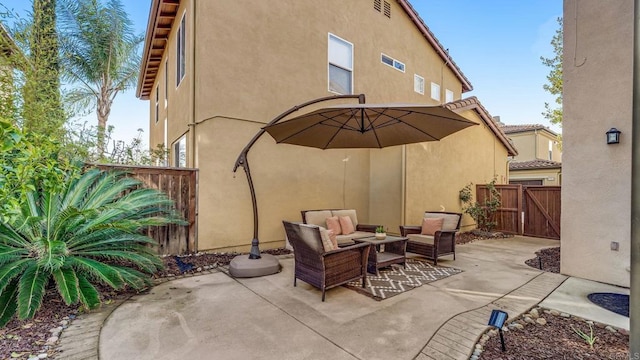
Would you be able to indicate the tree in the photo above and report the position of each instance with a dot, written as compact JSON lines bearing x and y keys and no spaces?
{"x":100,"y":55}
{"x":554,"y":85}
{"x":42,"y":110}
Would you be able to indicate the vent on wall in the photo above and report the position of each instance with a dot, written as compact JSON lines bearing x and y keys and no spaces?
{"x":377,"y":5}
{"x":387,"y":10}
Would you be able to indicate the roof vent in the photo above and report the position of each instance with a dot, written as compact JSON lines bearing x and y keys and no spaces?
{"x":387,"y":10}
{"x":377,"y":5}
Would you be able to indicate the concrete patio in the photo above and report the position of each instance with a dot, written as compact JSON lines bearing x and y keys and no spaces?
{"x":218,"y":317}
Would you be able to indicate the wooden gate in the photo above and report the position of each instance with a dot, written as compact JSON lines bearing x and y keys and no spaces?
{"x":527,"y":210}
{"x":180,"y":185}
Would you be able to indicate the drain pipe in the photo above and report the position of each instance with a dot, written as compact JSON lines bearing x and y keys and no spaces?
{"x":634,"y":319}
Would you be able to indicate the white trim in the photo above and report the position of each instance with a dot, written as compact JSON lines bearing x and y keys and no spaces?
{"x":448,"y":98}
{"x":416,"y":80}
{"x":433,"y":85}
{"x":329,"y":63}
{"x":166,"y":83}
{"x":178,"y":42}
{"x":395,"y":62}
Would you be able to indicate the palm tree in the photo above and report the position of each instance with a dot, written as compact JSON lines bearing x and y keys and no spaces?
{"x":85,"y":234}
{"x":100,"y":55}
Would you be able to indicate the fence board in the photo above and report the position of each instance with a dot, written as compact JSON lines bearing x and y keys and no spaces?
{"x":508,"y":214}
{"x":180,"y":185}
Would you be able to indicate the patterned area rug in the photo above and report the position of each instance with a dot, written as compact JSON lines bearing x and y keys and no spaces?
{"x":396,"y":279}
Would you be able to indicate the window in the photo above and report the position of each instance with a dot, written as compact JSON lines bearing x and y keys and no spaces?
{"x":550,"y":150}
{"x":388,"y":60}
{"x":157,"y":101}
{"x":180,"y":152}
{"x":166,"y":83}
{"x":165,"y":142}
{"x":180,"y":48}
{"x":418,"y":84}
{"x":435,"y":91}
{"x":448,"y":96}
{"x":340,"y":65}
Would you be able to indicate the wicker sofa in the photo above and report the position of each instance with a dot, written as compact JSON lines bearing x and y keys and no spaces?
{"x":320,"y":268}
{"x":442,"y":243}
{"x":319,"y":218}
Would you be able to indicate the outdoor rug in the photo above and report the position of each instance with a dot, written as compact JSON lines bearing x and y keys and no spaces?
{"x":395,"y":279}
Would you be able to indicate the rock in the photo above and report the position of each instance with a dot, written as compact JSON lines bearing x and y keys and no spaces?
{"x":199,"y":269}
{"x":534,"y":314}
{"x":493,"y":332}
{"x":52,"y":340}
{"x":478,"y":347}
{"x":64,"y":322}
{"x":43,"y":356}
{"x":541,"y":321}
{"x":56,"y":330}
{"x":473,"y":357}
{"x":516,"y":326}
{"x":611,"y":329}
{"x":555,"y":312}
{"x":477,"y":353}
{"x":528,"y":320}
{"x":484,"y":338}
{"x":565,"y":315}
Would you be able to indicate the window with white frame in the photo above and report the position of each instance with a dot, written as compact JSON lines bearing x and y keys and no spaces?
{"x":550,"y":150}
{"x":388,"y":60}
{"x":165,"y":142}
{"x":166,"y":83}
{"x":180,"y":51}
{"x":180,"y":152}
{"x":435,"y":91}
{"x":157,"y":102}
{"x":418,"y":84}
{"x":448,"y":96}
{"x":340,"y":65}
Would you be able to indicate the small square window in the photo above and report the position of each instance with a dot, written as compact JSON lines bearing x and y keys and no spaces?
{"x":448,"y":96}
{"x":386,"y":60}
{"x":398,"y":65}
{"x":435,"y":91}
{"x":418,"y":84}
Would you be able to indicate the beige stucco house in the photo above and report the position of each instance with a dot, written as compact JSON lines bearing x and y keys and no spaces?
{"x":539,"y":159}
{"x":216,"y":71}
{"x":597,"y":95}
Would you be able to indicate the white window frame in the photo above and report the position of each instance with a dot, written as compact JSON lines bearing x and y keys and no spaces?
{"x":435,"y":91}
{"x":329,"y":63}
{"x":418,"y":84}
{"x":176,"y":148}
{"x":550,"y":150}
{"x":448,"y":96}
{"x":181,"y":53}
{"x":398,"y":65}
{"x":166,"y":141}
{"x":166,"y":83}
{"x":157,"y":114}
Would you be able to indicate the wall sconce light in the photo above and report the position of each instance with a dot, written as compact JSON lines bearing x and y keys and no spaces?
{"x":613,"y":136}
{"x":497,"y":320}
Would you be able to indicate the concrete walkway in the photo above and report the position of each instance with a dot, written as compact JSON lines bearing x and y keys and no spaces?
{"x":217,"y":317}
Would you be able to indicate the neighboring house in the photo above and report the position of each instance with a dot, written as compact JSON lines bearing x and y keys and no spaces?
{"x":217,"y":71}
{"x":539,"y":156}
{"x":597,"y":178}
{"x":10,"y":58}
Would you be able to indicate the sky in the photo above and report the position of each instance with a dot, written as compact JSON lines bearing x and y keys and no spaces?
{"x":496,"y":43}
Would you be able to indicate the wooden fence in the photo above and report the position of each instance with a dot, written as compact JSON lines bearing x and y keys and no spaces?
{"x":180,"y":185}
{"x":527,"y":210}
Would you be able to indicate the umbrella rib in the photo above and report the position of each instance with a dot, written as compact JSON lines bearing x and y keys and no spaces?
{"x":343,"y":126}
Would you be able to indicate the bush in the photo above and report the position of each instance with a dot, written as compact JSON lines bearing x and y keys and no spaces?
{"x":483,"y":213}
{"x":84,"y":233}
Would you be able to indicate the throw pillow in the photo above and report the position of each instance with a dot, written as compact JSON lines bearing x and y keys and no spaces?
{"x":334,"y":224}
{"x":327,"y":244}
{"x":334,"y":239}
{"x":347,"y":225}
{"x":431,"y":225}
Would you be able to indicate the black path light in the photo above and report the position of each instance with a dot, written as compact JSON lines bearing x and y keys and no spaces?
{"x":613,"y":136}
{"x":497,"y":320}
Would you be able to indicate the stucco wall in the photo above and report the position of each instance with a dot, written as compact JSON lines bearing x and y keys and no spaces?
{"x":533,"y":145}
{"x":526,"y":145}
{"x":537,"y":174}
{"x":596,"y":194}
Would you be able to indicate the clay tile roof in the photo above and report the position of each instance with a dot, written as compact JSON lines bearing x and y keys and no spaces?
{"x":511,"y":129}
{"x":472,"y":103}
{"x":534,"y":164}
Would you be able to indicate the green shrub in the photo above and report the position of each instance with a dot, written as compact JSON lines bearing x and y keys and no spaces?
{"x":483,"y":213}
{"x":86,"y":232}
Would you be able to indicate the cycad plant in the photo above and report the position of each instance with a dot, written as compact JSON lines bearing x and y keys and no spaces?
{"x":86,"y":234}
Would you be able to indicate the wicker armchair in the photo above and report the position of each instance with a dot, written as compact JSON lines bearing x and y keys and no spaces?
{"x":320,"y":268}
{"x":442,"y":243}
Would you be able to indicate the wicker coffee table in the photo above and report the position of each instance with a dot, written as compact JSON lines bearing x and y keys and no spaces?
{"x":390,"y":250}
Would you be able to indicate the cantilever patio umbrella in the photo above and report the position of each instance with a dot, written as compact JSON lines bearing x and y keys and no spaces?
{"x":343,"y":126}
{"x":368,"y":126}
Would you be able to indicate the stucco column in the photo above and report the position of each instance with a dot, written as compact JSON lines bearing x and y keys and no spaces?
{"x":634,"y":338}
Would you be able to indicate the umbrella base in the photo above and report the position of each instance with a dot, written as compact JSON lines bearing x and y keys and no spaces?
{"x":243,"y":267}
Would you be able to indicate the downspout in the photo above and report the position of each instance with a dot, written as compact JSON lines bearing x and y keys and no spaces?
{"x":192,"y":125}
{"x":634,"y":337}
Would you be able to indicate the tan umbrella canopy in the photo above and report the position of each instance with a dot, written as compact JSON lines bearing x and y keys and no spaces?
{"x":368,"y":126}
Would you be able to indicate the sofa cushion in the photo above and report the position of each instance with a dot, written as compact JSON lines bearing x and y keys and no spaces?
{"x":333,"y":224}
{"x":450,"y":220}
{"x":350,"y":213}
{"x":326,"y":239}
{"x":426,"y":239}
{"x":431,"y":225}
{"x":317,"y":217}
{"x":347,"y":225}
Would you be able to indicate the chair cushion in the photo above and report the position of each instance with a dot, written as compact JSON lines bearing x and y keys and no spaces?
{"x":450,"y":220}
{"x":426,"y":239}
{"x":347,"y":225}
{"x":317,"y":217}
{"x":333,"y":224}
{"x":350,"y":213}
{"x":327,"y":244}
{"x":431,"y":225}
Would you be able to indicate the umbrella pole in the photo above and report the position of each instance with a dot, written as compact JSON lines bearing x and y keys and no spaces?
{"x":239,"y":267}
